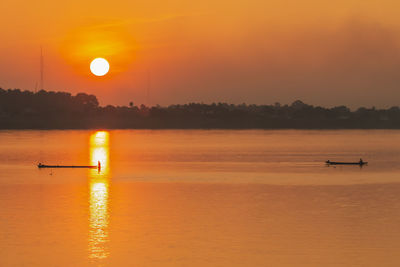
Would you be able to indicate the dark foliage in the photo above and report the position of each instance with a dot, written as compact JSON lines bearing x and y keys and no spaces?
{"x":60,"y":110}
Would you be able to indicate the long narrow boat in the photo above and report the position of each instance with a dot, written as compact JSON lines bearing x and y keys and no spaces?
{"x":98,"y":166}
{"x":360,"y":163}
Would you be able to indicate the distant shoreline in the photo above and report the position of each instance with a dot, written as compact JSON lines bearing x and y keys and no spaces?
{"x":189,"y":129}
{"x":46,"y":110}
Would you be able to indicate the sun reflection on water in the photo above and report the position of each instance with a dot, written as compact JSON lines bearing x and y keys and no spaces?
{"x":99,"y":196}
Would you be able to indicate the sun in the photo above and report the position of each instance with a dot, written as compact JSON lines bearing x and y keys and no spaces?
{"x":99,"y":66}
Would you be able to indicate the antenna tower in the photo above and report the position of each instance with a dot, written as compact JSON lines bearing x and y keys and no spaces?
{"x":148,"y":88}
{"x":41,"y":68}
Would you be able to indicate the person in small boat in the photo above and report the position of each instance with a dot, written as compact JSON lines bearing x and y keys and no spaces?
{"x":361,"y":162}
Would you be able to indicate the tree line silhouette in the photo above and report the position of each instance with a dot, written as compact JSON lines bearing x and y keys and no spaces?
{"x":61,"y":110}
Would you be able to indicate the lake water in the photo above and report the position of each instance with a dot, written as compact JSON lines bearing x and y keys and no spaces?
{"x":200,"y":198}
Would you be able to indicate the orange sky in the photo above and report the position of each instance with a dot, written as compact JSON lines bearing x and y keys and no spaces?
{"x":254,"y":51}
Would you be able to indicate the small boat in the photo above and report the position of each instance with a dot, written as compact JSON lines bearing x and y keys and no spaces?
{"x":360,"y":163}
{"x":98,"y":166}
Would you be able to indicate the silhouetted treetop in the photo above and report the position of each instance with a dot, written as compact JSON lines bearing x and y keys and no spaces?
{"x":61,"y":110}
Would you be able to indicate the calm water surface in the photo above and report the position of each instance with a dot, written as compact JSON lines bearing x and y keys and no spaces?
{"x":200,"y":198}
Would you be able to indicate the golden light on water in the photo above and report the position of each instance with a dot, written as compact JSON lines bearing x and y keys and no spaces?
{"x":99,"y":196}
{"x":99,"y":218}
{"x":99,"y":151}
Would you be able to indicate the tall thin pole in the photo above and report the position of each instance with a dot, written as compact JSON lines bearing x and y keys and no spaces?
{"x":148,"y":88}
{"x":41,"y":68}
